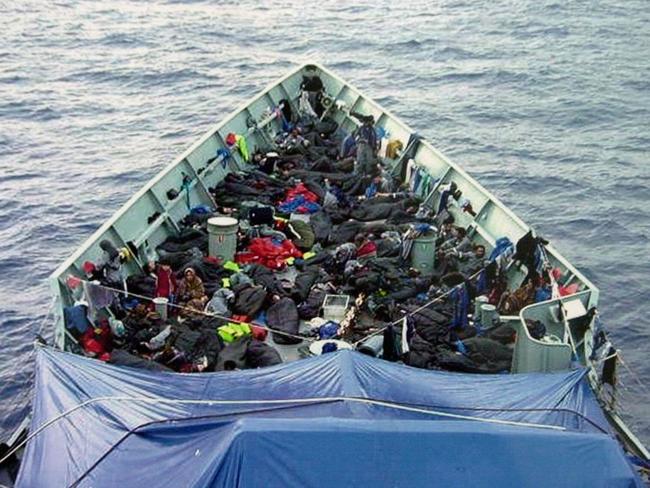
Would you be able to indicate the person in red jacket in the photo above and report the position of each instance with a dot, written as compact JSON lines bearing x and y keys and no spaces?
{"x":366,"y":249}
{"x":165,"y":281}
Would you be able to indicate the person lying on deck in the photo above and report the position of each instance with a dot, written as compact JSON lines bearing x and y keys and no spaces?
{"x":450,"y":250}
{"x":470,"y":262}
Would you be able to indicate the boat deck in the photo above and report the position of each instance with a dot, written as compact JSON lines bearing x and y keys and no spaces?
{"x":331,"y":207}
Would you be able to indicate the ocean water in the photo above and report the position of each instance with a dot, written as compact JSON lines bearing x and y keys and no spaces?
{"x":547,"y":103}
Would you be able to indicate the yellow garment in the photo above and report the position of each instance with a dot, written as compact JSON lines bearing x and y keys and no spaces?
{"x":242,"y":147}
{"x":126,"y":254}
{"x":233,"y":331}
{"x":308,"y":255}
{"x":393,"y":146}
{"x":231,"y":266}
{"x":225,"y":282}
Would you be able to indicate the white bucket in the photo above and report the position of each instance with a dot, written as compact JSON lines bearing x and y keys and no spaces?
{"x":478,"y":303}
{"x":161,"y":306}
{"x":489,"y":315}
{"x":222,"y":237}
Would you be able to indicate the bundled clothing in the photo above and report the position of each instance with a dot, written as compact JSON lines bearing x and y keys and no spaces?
{"x":269,"y":253}
{"x":239,"y":143}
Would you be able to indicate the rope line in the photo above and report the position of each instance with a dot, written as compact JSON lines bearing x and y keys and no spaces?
{"x":297,"y":401}
{"x":419,"y":309}
{"x":636,"y":377}
{"x":201,"y":312}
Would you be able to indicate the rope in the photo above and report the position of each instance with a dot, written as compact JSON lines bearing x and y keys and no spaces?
{"x":297,"y":401}
{"x":636,"y":377}
{"x":215,"y":416}
{"x":174,"y":420}
{"x":39,"y":330}
{"x":428,"y":304}
{"x":201,"y":312}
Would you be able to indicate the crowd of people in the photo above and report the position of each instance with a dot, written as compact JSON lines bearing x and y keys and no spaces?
{"x":320,"y":211}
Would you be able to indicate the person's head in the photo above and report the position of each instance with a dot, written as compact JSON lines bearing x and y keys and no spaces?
{"x":461,"y":232}
{"x":479,"y":250}
{"x":360,"y":239}
{"x":189,"y":273}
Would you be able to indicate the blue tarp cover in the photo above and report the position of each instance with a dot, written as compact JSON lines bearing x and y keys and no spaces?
{"x":309,"y":423}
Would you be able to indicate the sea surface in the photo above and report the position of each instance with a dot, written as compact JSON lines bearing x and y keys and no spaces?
{"x":546,"y":103}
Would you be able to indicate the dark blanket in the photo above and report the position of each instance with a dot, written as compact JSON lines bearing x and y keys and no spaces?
{"x":123,"y":358}
{"x":312,"y":305}
{"x":249,"y":300}
{"x":432,"y":325}
{"x":263,"y":276}
{"x":303,"y":283}
{"x":283,"y":316}
{"x":185,"y":241}
{"x":259,"y":355}
{"x":321,"y":224}
{"x":422,"y":354}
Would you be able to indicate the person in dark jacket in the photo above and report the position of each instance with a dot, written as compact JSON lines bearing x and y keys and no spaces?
{"x":367,"y":144}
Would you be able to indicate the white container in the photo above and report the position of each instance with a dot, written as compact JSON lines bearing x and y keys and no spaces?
{"x":297,"y":216}
{"x":478,"y":303}
{"x":489,"y":315}
{"x":222,"y":237}
{"x":335,"y":307}
{"x":161,"y":306}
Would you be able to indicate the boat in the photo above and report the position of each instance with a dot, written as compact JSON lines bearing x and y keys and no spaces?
{"x":326,"y":413}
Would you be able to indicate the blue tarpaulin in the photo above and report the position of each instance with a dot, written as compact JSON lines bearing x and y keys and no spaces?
{"x":341,"y":419}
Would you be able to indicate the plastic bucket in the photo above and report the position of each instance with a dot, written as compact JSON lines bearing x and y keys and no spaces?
{"x":423,"y":253}
{"x":489,"y":315}
{"x":478,"y":303}
{"x":160,"y":303}
{"x":222,"y":237}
